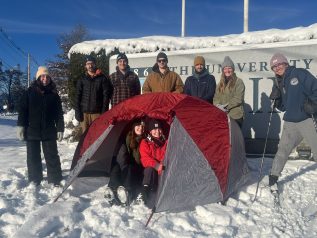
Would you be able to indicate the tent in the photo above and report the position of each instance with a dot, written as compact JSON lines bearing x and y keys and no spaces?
{"x":205,"y":157}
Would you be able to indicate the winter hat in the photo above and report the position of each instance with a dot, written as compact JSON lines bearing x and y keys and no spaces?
{"x":161,"y":55}
{"x":227,"y":62}
{"x":137,"y":122}
{"x":153,"y":124}
{"x":42,"y":70}
{"x":122,"y":56}
{"x":278,"y":58}
{"x":199,"y":60}
{"x":90,"y":58}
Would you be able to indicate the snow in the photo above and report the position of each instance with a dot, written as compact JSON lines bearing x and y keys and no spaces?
{"x":29,"y":211}
{"x":170,"y":43}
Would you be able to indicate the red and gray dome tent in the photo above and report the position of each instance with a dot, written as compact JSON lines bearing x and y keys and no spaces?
{"x":205,"y":158}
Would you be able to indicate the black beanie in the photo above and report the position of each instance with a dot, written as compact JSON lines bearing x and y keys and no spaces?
{"x":161,"y":55}
{"x":90,"y":58}
{"x":153,"y":124}
{"x":122,"y":56}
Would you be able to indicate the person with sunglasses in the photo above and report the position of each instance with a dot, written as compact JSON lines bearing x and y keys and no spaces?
{"x":295,"y":93}
{"x":162,"y":79}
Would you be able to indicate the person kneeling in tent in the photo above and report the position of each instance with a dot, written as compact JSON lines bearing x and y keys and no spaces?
{"x":126,"y":172}
{"x":152,"y":151}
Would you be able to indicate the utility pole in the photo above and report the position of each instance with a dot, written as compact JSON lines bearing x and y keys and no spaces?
{"x":183,"y":18}
{"x":246,"y":16}
{"x":29,"y":73}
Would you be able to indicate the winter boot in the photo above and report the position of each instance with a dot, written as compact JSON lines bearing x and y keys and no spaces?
{"x":272,"y":180}
{"x":110,"y":196}
{"x":142,"y":197}
{"x":123,"y":195}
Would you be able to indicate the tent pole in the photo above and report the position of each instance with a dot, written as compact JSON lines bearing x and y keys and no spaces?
{"x":261,"y":167}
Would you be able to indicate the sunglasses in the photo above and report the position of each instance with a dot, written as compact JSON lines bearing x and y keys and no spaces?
{"x":161,"y":60}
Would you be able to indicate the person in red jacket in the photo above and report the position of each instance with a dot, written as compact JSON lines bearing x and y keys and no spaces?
{"x":152,"y":152}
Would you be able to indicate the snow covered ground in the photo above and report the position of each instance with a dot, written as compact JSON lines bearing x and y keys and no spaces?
{"x":28,"y":211}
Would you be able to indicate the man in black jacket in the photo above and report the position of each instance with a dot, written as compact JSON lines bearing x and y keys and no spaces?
{"x":93,"y":94}
{"x":41,"y":120}
{"x":201,"y":84}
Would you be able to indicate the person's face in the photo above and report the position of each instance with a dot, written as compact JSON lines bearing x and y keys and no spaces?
{"x":279,"y":69}
{"x":228,"y":71}
{"x":122,"y":64}
{"x":162,"y":63}
{"x":139,"y":129}
{"x":45,"y":79}
{"x":156,"y":133}
{"x":90,"y":66}
{"x":199,"y":68}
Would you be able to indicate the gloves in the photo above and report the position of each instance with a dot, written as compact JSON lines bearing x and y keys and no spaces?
{"x":60,"y":136}
{"x":20,"y":132}
{"x":79,"y":116}
{"x":276,"y":93}
{"x":222,"y":107}
{"x":310,"y":107}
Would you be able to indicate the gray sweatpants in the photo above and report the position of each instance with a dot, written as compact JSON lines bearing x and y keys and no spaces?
{"x":292,"y":134}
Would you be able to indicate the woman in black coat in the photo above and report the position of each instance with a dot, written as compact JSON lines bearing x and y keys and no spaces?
{"x":41,"y":120}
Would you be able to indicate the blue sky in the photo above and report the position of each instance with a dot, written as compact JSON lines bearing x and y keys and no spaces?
{"x":35,"y":25}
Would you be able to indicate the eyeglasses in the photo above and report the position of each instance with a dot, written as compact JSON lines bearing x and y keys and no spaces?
{"x":161,"y":60}
{"x":274,"y":68}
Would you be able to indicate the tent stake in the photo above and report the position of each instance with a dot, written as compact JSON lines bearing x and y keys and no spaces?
{"x":148,"y":220}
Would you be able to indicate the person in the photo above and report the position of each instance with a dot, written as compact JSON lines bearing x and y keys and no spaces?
{"x":126,"y":172}
{"x":201,"y":84}
{"x":93,"y":94}
{"x":162,"y":79}
{"x":125,"y":83}
{"x":152,"y":151}
{"x":40,"y":121}
{"x":229,"y":95}
{"x":294,"y":92}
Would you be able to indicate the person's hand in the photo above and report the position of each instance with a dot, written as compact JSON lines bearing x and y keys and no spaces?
{"x":160,"y":169}
{"x":60,"y":136}
{"x":222,"y":107}
{"x":20,"y":133}
{"x":310,"y":107}
{"x":275,"y":94}
{"x":79,"y":116}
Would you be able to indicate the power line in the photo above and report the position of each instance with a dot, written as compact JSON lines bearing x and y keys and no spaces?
{"x":12,"y":44}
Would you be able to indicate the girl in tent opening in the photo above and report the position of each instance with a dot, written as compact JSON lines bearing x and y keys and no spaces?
{"x":229,"y":95}
{"x":152,"y":151}
{"x":126,"y":173}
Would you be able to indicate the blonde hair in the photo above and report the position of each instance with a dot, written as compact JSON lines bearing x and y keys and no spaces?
{"x":231,"y":82}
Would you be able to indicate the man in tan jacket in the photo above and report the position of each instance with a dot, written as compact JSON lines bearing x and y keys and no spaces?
{"x":162,"y":79}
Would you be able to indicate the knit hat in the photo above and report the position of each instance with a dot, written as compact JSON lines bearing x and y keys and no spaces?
{"x":161,"y":55}
{"x":42,"y":70}
{"x":278,"y":58}
{"x":199,"y":60}
{"x":90,"y":58}
{"x":227,"y":62}
{"x":122,"y":56}
{"x":137,"y":122}
{"x":153,"y":124}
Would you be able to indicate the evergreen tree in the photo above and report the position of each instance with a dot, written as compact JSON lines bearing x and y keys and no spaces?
{"x":60,"y":67}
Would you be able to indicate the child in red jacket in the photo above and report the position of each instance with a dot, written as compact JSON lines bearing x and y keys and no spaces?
{"x":152,"y":151}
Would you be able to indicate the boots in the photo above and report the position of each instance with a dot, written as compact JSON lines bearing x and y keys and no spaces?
{"x":272,"y":180}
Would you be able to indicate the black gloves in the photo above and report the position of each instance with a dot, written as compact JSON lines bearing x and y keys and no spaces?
{"x":79,"y":116}
{"x":276,"y":93}
{"x":310,"y":107}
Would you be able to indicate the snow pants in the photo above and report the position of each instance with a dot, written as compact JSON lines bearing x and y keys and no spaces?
{"x":292,"y":134}
{"x":34,"y":161}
